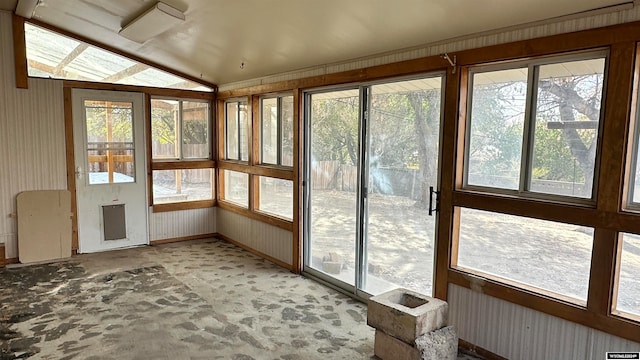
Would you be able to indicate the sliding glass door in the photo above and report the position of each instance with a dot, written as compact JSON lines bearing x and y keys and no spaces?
{"x":372,"y":156}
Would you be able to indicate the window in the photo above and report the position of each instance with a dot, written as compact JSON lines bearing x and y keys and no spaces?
{"x":52,"y":55}
{"x":276,"y":130}
{"x":171,"y":186}
{"x":536,"y":253}
{"x":633,"y":200}
{"x":181,"y":150}
{"x":110,"y":145}
{"x":236,"y":127}
{"x":236,"y":187}
{"x":180,"y":129}
{"x":276,"y":197}
{"x":628,"y":299}
{"x":534,"y":127}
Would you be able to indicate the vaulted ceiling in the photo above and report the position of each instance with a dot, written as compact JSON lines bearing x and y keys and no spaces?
{"x":275,"y":36}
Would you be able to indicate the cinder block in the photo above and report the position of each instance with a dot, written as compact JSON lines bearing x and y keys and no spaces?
{"x":389,"y":348}
{"x":438,"y":345}
{"x":331,"y":267}
{"x":406,"y":315}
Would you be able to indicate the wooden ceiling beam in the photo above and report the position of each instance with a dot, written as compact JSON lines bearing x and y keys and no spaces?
{"x":130,"y":71}
{"x":58,"y":69}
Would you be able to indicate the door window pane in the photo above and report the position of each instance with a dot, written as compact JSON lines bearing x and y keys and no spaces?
{"x":497,"y":124}
{"x":110,"y":147}
{"x":404,"y":128}
{"x":547,"y":255}
{"x":566,"y":127}
{"x":333,"y":183}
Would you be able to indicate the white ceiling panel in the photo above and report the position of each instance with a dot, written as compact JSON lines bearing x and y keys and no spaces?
{"x":275,"y":36}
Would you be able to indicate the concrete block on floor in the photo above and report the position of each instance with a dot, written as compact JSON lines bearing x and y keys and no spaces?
{"x":406,"y":315}
{"x":438,"y":345}
{"x":389,"y":348}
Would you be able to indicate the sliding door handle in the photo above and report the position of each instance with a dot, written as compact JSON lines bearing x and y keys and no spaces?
{"x":437,"y":205}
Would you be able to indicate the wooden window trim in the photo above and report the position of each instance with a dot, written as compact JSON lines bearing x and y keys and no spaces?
{"x":20,"y":52}
{"x":185,"y":164}
{"x":258,"y":129}
{"x":255,"y":215}
{"x":184,"y":205}
{"x":278,"y":173}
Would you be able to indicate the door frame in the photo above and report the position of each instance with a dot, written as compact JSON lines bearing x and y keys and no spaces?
{"x":70,"y":138}
{"x":364,"y":88}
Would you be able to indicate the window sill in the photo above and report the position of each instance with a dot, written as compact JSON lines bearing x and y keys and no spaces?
{"x":268,"y":219}
{"x":183,"y":164}
{"x":199,"y":204}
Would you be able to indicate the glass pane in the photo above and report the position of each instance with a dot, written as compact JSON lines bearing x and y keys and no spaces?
{"x":170,"y":186}
{"x":287,"y":131}
{"x":333,"y":183}
{"x":566,"y":127}
{"x":628,"y":281}
{"x":547,"y":255}
{"x":243,"y":131}
{"x":164,"y":127}
{"x":231,"y":128}
{"x":404,"y":128}
{"x":195,"y":130}
{"x":269,"y":131}
{"x":236,"y":187}
{"x":52,"y":55}
{"x":497,"y":124}
{"x":276,"y":197}
{"x":110,"y":147}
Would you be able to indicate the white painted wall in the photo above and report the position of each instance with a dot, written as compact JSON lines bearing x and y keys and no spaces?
{"x":517,"y":332}
{"x":175,"y":224}
{"x":32,"y":142}
{"x":267,"y":239}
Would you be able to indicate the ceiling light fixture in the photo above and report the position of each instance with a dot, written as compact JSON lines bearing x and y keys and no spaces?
{"x":26,"y":8}
{"x":158,"y":19}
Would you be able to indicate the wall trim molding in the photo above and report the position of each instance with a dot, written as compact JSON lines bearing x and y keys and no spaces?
{"x":181,"y":238}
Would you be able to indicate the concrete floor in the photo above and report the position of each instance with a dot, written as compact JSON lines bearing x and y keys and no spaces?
{"x":191,"y":300}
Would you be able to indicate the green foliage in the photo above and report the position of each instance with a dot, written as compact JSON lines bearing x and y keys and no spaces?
{"x":334,"y":129}
{"x":163,"y":125}
{"x":120,"y":118}
{"x":552,"y":158}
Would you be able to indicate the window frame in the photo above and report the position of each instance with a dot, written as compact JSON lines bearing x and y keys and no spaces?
{"x":181,"y":163}
{"x":280,"y":126}
{"x":225,"y":132}
{"x":528,"y":135}
{"x":180,"y":129}
{"x":252,"y":167}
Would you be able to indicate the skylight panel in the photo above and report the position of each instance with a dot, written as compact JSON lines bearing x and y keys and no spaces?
{"x":51,"y":55}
